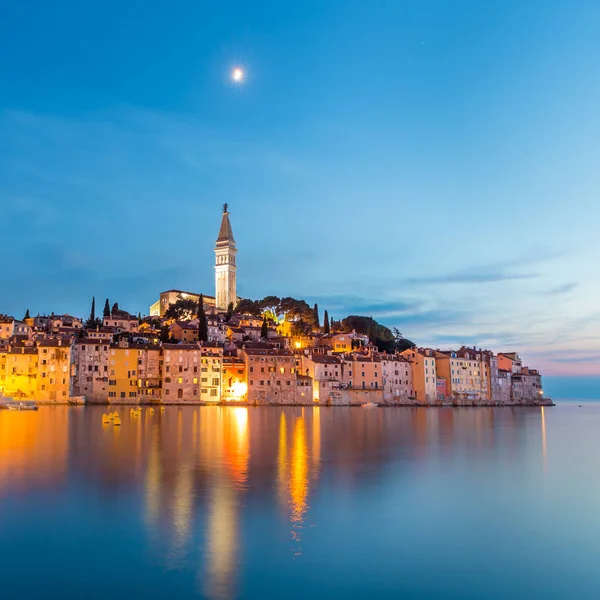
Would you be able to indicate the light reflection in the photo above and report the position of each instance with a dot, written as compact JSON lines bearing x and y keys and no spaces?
{"x":33,"y":446}
{"x":298,"y":478}
{"x":544,"y":444}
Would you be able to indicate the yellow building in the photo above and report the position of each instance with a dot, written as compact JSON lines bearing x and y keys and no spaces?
{"x":465,"y":372}
{"x":54,"y":370}
{"x":122,"y":371}
{"x":21,"y":368}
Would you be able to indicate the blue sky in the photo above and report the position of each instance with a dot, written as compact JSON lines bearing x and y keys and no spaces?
{"x":432,"y":164}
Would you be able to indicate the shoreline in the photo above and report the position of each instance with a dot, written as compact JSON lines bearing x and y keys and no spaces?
{"x":546,"y":402}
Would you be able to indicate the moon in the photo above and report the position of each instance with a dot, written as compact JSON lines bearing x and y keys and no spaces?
{"x":238,"y":75}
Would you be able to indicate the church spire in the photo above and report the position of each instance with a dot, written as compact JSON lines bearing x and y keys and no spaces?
{"x":225,"y":233}
{"x":225,"y":269}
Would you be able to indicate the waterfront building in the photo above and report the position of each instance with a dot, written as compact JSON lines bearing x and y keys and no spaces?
{"x":90,"y":369}
{"x":211,"y":372}
{"x":424,"y":374}
{"x":149,"y":367}
{"x":234,"y":385}
{"x":21,"y":370}
{"x":466,"y":373}
{"x":325,"y":371}
{"x":181,"y":373}
{"x":271,"y":375}
{"x":504,"y":392}
{"x":54,"y":370}
{"x":510,"y":361}
{"x":123,"y":378}
{"x":396,"y":377}
{"x":527,"y":385}
{"x":362,"y":371}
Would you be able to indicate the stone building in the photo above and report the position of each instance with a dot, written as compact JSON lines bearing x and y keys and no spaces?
{"x":397,"y":378}
{"x":90,"y":369}
{"x":271,"y":375}
{"x":181,"y":373}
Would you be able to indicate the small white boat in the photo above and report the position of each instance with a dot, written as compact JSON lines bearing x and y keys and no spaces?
{"x":21,"y":405}
{"x":4,"y":400}
{"x":369,"y":405}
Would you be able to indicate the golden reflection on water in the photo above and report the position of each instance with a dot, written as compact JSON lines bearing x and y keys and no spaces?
{"x":544,"y":443}
{"x":33,"y":446}
{"x":294,"y":466}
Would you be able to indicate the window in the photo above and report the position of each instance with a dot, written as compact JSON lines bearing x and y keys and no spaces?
{"x":122,"y":394}
{"x":213,"y":392}
{"x":215,"y":381}
{"x":112,"y":394}
{"x":112,"y":382}
{"x":180,"y":380}
{"x":195,"y":380}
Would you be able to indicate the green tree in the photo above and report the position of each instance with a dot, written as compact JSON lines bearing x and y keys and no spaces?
{"x":115,"y":308}
{"x":106,"y":312}
{"x":26,"y":315}
{"x":184,"y":309}
{"x":229,"y":312}
{"x":326,"y":325}
{"x":248,"y":307}
{"x":202,"y":322}
{"x":270,"y":304}
{"x":91,"y":322}
{"x":316,"y":316}
{"x":264,"y":330}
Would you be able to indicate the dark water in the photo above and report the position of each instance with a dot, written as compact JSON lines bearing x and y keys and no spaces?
{"x":301,"y":503}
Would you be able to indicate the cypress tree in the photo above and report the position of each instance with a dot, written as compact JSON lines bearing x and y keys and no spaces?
{"x":264,"y":330}
{"x":202,"y":322}
{"x":326,"y":327}
{"x":165,"y":336}
{"x":115,"y":308}
{"x":106,"y":309}
{"x":26,"y":315}
{"x":92,"y":320}
{"x":331,"y":324}
{"x":316,"y":315}
{"x":229,"y":313}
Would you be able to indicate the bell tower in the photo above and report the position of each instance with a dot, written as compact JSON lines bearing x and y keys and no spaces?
{"x":225,"y":269}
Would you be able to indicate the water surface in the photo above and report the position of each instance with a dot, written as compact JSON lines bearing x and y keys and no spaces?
{"x":301,"y":503}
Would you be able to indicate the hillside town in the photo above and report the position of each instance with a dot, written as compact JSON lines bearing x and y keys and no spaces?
{"x":201,"y":349}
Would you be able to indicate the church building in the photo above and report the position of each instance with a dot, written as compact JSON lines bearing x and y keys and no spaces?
{"x":225,"y":275}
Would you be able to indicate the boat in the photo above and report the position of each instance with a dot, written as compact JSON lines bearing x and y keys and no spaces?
{"x":369,"y":405}
{"x":21,"y":405}
{"x":76,"y":400}
{"x":4,"y":400}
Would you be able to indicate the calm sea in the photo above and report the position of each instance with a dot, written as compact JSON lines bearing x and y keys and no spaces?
{"x":263,"y":503}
